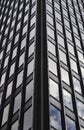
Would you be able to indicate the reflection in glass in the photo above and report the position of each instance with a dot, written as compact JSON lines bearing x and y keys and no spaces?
{"x":55,"y":117}
{"x":80,"y":107}
{"x":15,"y":126}
{"x":52,"y":66}
{"x":77,"y":86}
{"x":60,"y":40}
{"x":30,"y":67}
{"x":51,"y":48}
{"x":50,"y":32}
{"x":31,"y":49}
{"x":70,"y":124}
{"x":65,"y":76}
{"x":17,"y":102}
{"x":67,"y":99}
{"x":9,"y":89}
{"x":29,"y":90}
{"x":62,"y":56}
{"x":5,"y":114}
{"x":73,"y":65}
{"x":27,"y":119}
{"x":19,"y":79}
{"x":54,"y":89}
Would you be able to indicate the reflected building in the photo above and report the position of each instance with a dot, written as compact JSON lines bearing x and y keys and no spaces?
{"x":42,"y":65}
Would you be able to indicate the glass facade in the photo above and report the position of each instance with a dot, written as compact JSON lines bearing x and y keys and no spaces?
{"x":42,"y":64}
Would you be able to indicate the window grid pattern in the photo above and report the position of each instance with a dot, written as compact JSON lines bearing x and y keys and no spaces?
{"x":65,"y":45}
{"x":17,"y":38}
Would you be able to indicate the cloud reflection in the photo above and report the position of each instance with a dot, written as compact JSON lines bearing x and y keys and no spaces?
{"x":55,"y":117}
{"x":80,"y":106}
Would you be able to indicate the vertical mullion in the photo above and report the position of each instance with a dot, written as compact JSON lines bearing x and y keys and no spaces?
{"x":37,"y":76}
{"x":81,"y":78}
{"x":59,"y":73}
{"x":21,"y":115}
{"x":41,"y":103}
{"x":7,"y":72}
{"x":44,"y":71}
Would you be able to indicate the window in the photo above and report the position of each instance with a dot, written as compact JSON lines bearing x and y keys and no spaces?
{"x":51,"y":47}
{"x":29,"y":90}
{"x":6,"y":61}
{"x":19,"y":79}
{"x":30,"y":67}
{"x":54,"y":91}
{"x":80,"y":55}
{"x":60,"y":40}
{"x":73,"y":65}
{"x":82,"y":71}
{"x":15,"y":126}
{"x":49,"y":8}
{"x":9,"y":89}
{"x":62,"y":56}
{"x":77,"y":86}
{"x":67,"y":99}
{"x":14,"y":52}
{"x":58,"y":16}
{"x":59,"y":27}
{"x":55,"y":117}
{"x":70,"y":124}
{"x":65,"y":76}
{"x":31,"y":49}
{"x":49,"y":19}
{"x":71,"y":49}
{"x":32,"y":33}
{"x":21,"y":59}
{"x":27,"y":119}
{"x":5,"y":114}
{"x":23,"y":43}
{"x":12,"y":68}
{"x":33,"y":20}
{"x":80,"y":107}
{"x":68,"y":35}
{"x":33,"y":9}
{"x":17,"y":103}
{"x":77,"y":41}
{"x":50,"y":32}
{"x":52,"y":66}
{"x":2,"y":79}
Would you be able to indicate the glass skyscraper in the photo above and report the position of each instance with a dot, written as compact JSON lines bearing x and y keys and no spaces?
{"x":42,"y":65}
